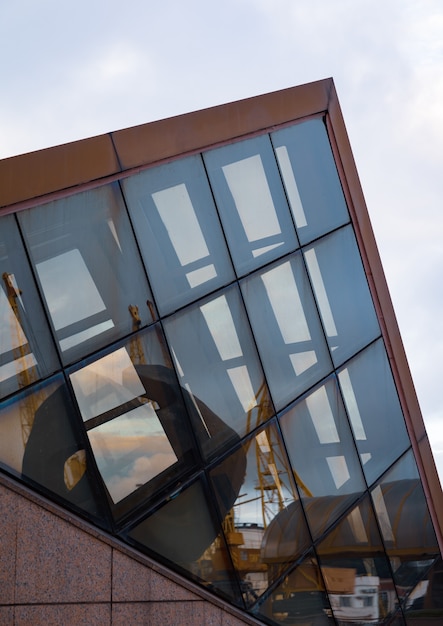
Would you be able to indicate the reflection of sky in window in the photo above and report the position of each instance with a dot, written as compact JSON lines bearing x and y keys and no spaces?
{"x":106,"y":384}
{"x":320,"y":292}
{"x":12,"y":337}
{"x":351,"y":405}
{"x":339,"y":470}
{"x":130,"y":450}
{"x":287,"y":307}
{"x":357,"y":526}
{"x":291,"y":186}
{"x":219,"y":320}
{"x":322,"y":416}
{"x":75,"y":303}
{"x":382,"y":514}
{"x":177,"y":213}
{"x":249,"y":187}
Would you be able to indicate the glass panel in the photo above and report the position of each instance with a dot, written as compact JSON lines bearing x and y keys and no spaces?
{"x":38,"y":442}
{"x":424,"y":605}
{"x":184,"y":532}
{"x":251,"y":201}
{"x":310,"y":177}
{"x":179,"y":232}
{"x":256,"y":527}
{"x":27,"y":352}
{"x":299,"y":599}
{"x":342,"y":294}
{"x":406,"y":526}
{"x":135,"y":417}
{"x":374,"y":410}
{"x":287,"y":329}
{"x":356,"y":571}
{"x":218,"y":366}
{"x":322,"y":451}
{"x":88,"y":267}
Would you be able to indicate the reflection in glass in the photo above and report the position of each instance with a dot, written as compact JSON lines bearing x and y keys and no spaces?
{"x":134,"y":415}
{"x":342,"y":294}
{"x":88,"y":267}
{"x":425,"y":602}
{"x":299,"y":599}
{"x":310,"y":177}
{"x":323,"y":455}
{"x":255,"y":523}
{"x":251,"y":202}
{"x":374,"y":410}
{"x":287,"y":330}
{"x":406,"y":526}
{"x":39,"y":442}
{"x":26,"y":349}
{"x":178,"y":231}
{"x":218,"y":366}
{"x":184,"y":532}
{"x":356,"y":571}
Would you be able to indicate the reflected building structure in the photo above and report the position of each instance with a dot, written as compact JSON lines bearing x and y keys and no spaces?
{"x":200,"y":362}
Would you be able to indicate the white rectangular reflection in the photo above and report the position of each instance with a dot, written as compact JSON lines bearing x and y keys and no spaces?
{"x":81,"y":300}
{"x":243,"y":387}
{"x":249,"y":187}
{"x":291,"y":186}
{"x":177,"y":213}
{"x":382,"y":514}
{"x":281,"y":288}
{"x":339,"y":470}
{"x":320,"y":292}
{"x":106,"y":384}
{"x":357,"y":526}
{"x":351,"y":405}
{"x":322,"y":416}
{"x":221,"y":325}
{"x":202,"y":275}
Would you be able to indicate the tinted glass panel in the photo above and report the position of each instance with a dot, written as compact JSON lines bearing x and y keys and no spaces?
{"x":218,"y":365}
{"x":405,"y":524}
{"x":184,"y":532}
{"x":38,"y":441}
{"x":342,"y":294}
{"x":425,"y":602}
{"x":264,"y":509}
{"x":323,"y":455}
{"x":179,"y":233}
{"x":135,"y":417}
{"x":287,"y":329}
{"x":88,"y":268}
{"x":310,"y":178}
{"x":251,"y":201}
{"x":356,"y":571}
{"x":374,"y":410}
{"x":27,"y":351}
{"x":299,"y":599}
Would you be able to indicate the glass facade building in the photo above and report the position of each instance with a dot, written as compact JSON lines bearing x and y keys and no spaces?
{"x":199,"y":357}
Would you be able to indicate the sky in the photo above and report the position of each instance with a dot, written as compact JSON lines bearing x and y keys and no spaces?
{"x":74,"y":70}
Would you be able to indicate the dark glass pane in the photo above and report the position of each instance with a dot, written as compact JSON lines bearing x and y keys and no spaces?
{"x":251,"y":201}
{"x":287,"y":329}
{"x":310,"y":176}
{"x":218,"y":365}
{"x":184,"y":532}
{"x":323,"y":455}
{"x":39,"y":442}
{"x":406,"y":526}
{"x":356,"y":570}
{"x":424,"y":606}
{"x":135,"y":416}
{"x":374,"y":410}
{"x":179,"y":233}
{"x":299,"y":599}
{"x":342,"y":294}
{"x":265,"y":529}
{"x":88,"y":268}
{"x":27,"y":351}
